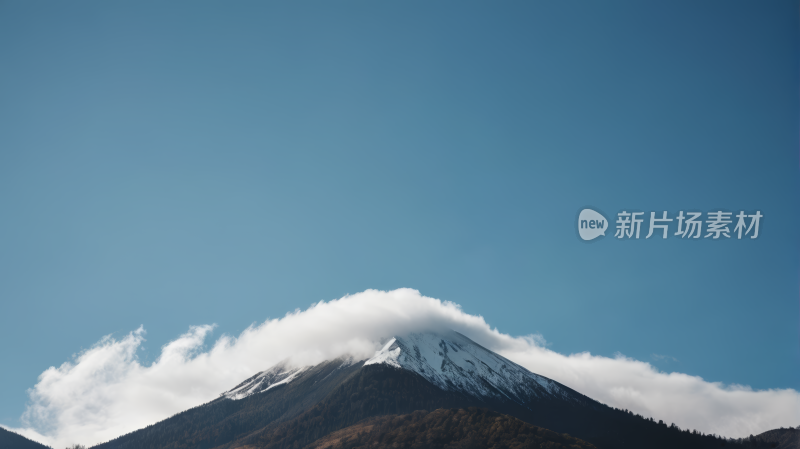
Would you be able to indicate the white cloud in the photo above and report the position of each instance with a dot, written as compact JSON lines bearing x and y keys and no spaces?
{"x":106,"y":392}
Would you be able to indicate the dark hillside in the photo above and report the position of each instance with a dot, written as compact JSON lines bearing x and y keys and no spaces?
{"x":12,"y":440}
{"x":447,"y":429}
{"x":778,"y":438}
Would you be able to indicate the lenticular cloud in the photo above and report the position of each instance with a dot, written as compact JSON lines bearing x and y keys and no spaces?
{"x":106,"y":392}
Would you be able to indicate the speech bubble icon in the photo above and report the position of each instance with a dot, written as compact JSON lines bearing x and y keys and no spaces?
{"x":591,"y":224}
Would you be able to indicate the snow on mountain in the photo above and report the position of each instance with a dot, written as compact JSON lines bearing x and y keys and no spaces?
{"x":279,"y":374}
{"x":448,"y":360}
{"x":453,"y":362}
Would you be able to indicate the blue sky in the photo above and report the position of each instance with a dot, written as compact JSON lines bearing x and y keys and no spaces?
{"x":182,"y":163}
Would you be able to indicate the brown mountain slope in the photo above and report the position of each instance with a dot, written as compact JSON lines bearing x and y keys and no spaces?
{"x":447,"y":429}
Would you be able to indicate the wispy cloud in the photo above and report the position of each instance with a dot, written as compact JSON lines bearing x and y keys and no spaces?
{"x":663,"y":358}
{"x":106,"y":391}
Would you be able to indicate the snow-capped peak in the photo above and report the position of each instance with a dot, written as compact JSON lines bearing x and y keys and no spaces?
{"x":453,"y":362}
{"x":448,"y":360}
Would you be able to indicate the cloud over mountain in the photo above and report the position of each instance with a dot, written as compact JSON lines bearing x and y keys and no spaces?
{"x":106,"y":391}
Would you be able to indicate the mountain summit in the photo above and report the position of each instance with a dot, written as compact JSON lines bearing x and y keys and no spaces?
{"x":453,"y":362}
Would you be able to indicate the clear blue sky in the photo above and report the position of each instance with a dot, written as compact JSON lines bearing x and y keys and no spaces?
{"x":179,"y":163}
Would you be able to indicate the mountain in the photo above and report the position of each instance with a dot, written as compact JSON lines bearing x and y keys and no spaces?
{"x":779,"y":438}
{"x":12,"y":440}
{"x":290,"y":407}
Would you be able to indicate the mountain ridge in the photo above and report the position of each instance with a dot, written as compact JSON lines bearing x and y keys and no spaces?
{"x":13,"y":440}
